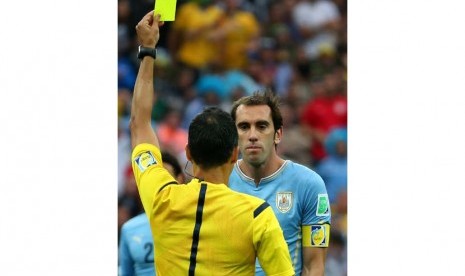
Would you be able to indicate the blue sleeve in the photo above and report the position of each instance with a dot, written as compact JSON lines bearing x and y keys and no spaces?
{"x":126,"y":264}
{"x":316,"y":207}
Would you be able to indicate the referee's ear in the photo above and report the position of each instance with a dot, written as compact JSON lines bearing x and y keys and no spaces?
{"x":234,"y":155}
{"x":188,"y":153}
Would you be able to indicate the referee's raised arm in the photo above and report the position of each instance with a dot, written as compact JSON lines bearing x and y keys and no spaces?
{"x":143,"y":97}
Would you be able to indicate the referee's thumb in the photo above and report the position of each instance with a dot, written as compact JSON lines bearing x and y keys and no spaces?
{"x":157,"y":21}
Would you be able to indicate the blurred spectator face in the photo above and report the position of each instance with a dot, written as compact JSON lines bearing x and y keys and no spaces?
{"x":282,"y":55}
{"x":237,"y":93}
{"x":232,"y":4}
{"x":327,"y":57}
{"x":185,"y":82}
{"x":276,"y":12}
{"x":341,"y":148}
{"x":124,"y":10}
{"x":211,"y":98}
{"x":283,"y":36}
{"x":288,"y":5}
{"x":185,"y":78}
{"x":332,"y":82}
{"x":267,"y":49}
{"x":288,"y":115}
{"x":267,"y":55}
{"x":254,"y":69}
{"x":318,"y":88}
{"x":173,"y":119}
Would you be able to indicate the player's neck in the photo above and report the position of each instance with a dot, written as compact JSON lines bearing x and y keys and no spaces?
{"x":217,"y":175}
{"x":264,"y":170}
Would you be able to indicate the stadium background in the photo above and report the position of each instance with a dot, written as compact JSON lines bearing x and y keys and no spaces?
{"x":306,"y":67}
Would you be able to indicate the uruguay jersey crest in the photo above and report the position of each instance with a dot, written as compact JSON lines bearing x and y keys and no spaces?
{"x":284,"y":201}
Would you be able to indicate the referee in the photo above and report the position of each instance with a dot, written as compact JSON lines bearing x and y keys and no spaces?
{"x":202,"y":227}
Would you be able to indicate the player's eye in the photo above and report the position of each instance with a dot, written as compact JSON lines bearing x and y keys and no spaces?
{"x":242,"y":126}
{"x":262,"y":126}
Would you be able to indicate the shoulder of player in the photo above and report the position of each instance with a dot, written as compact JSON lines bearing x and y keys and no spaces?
{"x":135,"y":222}
{"x":300,"y":171}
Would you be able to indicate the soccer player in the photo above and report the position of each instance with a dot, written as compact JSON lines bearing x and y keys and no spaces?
{"x":136,"y":243}
{"x":297,"y":194}
{"x":202,"y":227}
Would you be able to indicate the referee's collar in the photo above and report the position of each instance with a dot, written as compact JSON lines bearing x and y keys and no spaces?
{"x":198,"y":181}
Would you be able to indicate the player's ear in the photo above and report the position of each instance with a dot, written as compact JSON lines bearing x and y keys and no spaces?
{"x":278,"y":136}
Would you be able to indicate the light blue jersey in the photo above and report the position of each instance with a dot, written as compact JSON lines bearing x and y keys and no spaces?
{"x":298,"y":197}
{"x":136,"y":248}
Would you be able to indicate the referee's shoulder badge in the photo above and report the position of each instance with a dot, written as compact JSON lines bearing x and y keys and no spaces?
{"x":322,"y":208}
{"x":284,"y":201}
{"x":319,"y":235}
{"x":145,"y":160}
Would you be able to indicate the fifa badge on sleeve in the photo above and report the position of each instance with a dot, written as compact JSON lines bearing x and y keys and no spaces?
{"x":145,"y":160}
{"x":322,"y":208}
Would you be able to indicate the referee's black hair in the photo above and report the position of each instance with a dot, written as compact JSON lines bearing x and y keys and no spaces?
{"x":212,"y":138}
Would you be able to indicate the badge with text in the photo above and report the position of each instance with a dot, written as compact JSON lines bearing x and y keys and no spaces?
{"x":145,"y":160}
{"x":320,"y":235}
{"x":284,"y":201}
{"x":322,"y":209}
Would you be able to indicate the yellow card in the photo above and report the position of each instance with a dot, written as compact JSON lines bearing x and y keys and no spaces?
{"x":166,"y":8}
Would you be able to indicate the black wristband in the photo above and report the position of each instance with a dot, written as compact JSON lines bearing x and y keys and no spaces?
{"x":143,"y":51}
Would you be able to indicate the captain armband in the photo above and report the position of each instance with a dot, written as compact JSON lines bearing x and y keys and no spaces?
{"x":315,"y":235}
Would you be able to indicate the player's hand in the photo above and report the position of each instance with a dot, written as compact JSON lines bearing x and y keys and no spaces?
{"x":147,"y":30}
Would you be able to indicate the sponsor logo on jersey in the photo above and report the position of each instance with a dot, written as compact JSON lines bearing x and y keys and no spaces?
{"x":319,"y":235}
{"x":284,"y":201}
{"x":137,"y":239}
{"x":145,"y":160}
{"x":322,"y":209}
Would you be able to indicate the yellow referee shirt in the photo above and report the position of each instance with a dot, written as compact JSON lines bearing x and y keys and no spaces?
{"x":202,"y":228}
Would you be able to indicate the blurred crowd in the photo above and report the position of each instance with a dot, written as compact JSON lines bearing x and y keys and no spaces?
{"x":217,"y":51}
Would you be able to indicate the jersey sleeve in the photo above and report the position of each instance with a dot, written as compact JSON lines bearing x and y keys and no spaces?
{"x":272,"y":251}
{"x":149,"y":173}
{"x":316,"y":217}
{"x":126,"y":263}
{"x":316,"y":207}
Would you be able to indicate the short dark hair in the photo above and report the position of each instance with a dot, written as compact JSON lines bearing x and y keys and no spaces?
{"x":261,"y":98}
{"x":212,"y":138}
{"x":173,"y":161}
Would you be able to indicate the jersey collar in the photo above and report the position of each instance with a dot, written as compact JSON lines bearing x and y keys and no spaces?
{"x":266,"y":179}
